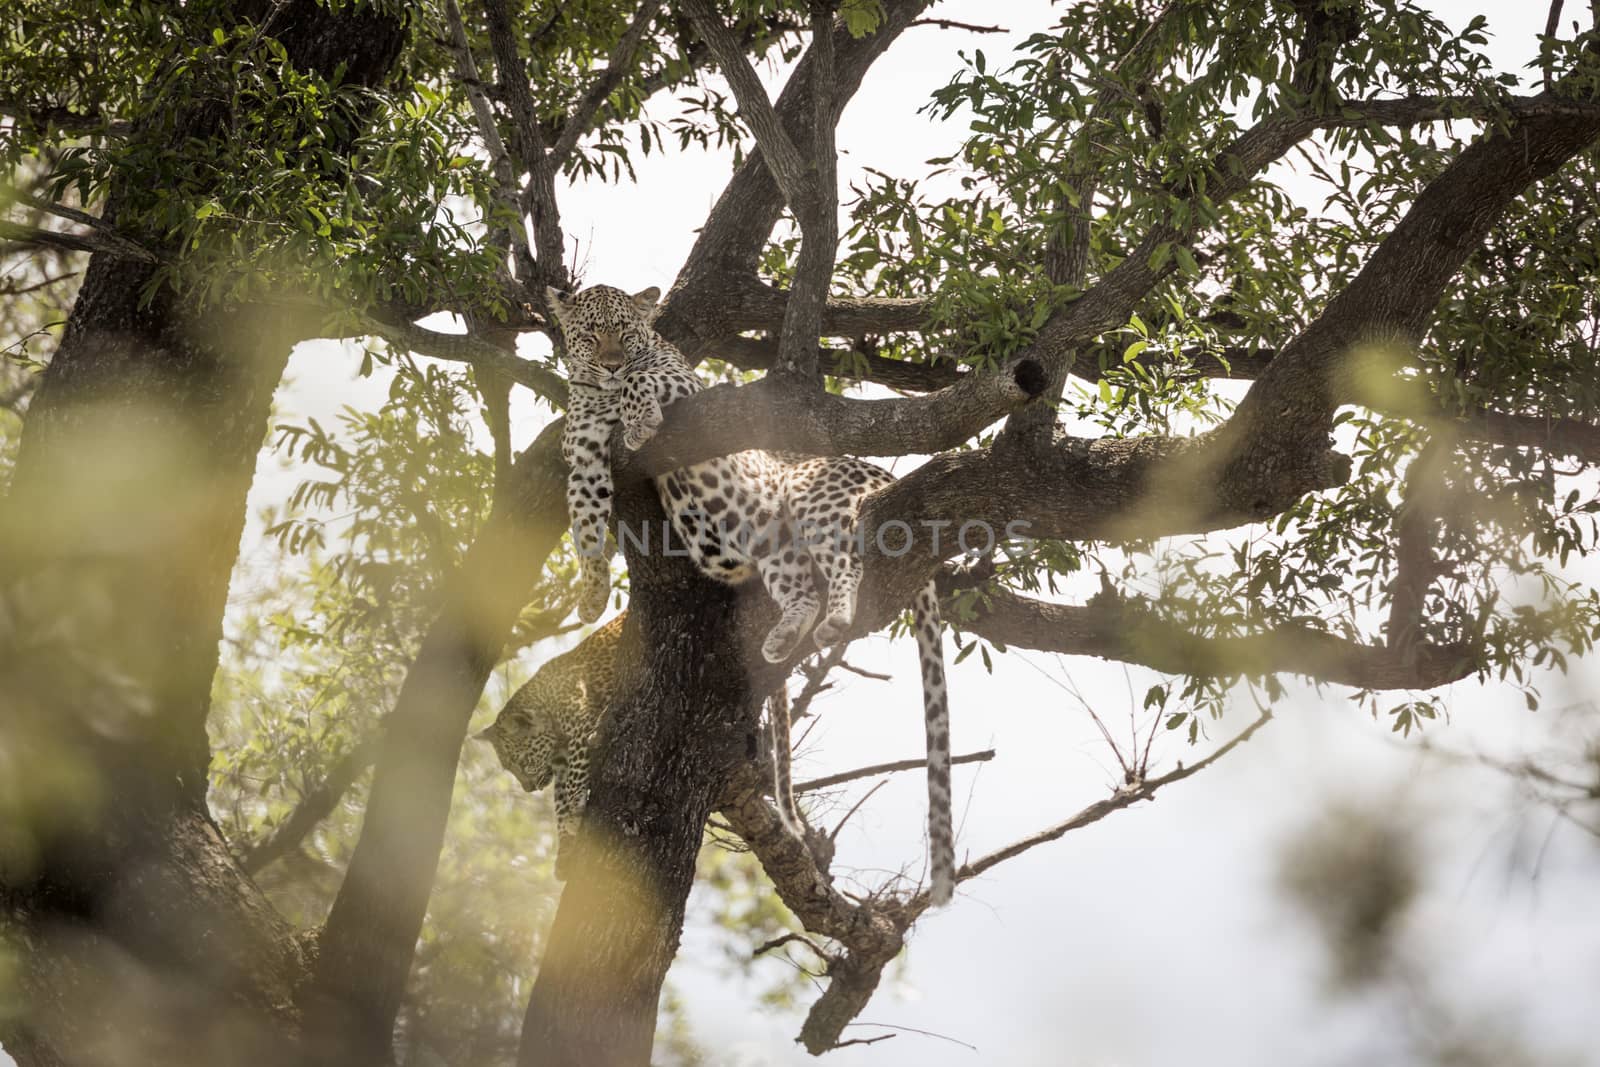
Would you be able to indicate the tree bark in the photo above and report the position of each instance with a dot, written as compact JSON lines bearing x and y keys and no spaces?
{"x":142,"y":939}
{"x":685,"y":719}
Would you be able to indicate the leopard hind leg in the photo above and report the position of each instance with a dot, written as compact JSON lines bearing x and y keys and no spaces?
{"x":786,"y":574}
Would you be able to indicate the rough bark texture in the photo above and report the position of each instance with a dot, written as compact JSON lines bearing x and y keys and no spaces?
{"x":687,"y":718}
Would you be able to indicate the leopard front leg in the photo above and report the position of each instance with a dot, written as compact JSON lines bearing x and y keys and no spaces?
{"x":641,"y":412}
{"x":572,"y":794}
{"x":586,"y":446}
{"x":645,"y":390}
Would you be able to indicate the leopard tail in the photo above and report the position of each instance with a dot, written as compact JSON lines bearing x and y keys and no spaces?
{"x":782,"y":783}
{"x":936,"y":711}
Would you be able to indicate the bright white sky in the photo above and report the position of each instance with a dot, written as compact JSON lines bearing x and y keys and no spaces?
{"x":1156,"y":936}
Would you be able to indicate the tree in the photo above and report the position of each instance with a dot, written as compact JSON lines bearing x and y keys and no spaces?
{"x":1404,"y":469}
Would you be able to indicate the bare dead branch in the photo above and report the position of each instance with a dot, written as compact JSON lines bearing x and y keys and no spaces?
{"x":952,"y":24}
{"x":885,"y":768}
{"x":1122,"y":798}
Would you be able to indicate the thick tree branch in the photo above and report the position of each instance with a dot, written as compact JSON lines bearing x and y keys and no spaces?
{"x":730,"y":242}
{"x":788,"y":167}
{"x":767,"y":415}
{"x":1129,"y":631}
{"x":97,"y":240}
{"x":366,"y":947}
{"x":1382,"y":314}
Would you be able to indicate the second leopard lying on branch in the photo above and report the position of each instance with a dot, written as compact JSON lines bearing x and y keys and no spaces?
{"x":783,"y":518}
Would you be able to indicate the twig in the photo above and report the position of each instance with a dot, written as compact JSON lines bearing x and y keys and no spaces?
{"x":952,"y":24}
{"x":779,"y":942}
{"x":864,"y":673}
{"x":1099,"y":810}
{"x":885,"y":768}
{"x":914,"y":1030}
{"x":834,"y":834}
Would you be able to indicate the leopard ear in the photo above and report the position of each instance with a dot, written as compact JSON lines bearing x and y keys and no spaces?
{"x":488,"y":733}
{"x":558,"y":301}
{"x":646,"y":298}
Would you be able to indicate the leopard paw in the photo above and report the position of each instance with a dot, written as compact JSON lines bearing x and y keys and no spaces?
{"x":780,"y":643}
{"x":830,"y":631}
{"x":635,"y":435}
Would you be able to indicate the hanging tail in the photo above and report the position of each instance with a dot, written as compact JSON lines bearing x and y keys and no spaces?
{"x":936,"y":711}
{"x":782,"y":785}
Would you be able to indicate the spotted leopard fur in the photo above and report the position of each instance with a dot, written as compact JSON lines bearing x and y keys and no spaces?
{"x":749,"y":514}
{"x":546,"y":732}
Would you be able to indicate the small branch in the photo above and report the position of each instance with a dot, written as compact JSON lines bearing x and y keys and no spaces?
{"x":782,"y":158}
{"x":952,"y":24}
{"x":778,"y":942}
{"x":1123,"y":798}
{"x":885,"y":768}
{"x":862,"y":672}
{"x":97,"y":241}
{"x":1415,"y":565}
{"x":18,"y":288}
{"x":454,"y":347}
{"x":68,"y":122}
{"x":314,"y":807}
{"x":588,"y":105}
{"x":482,"y":110}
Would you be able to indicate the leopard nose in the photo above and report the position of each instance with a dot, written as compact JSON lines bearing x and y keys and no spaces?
{"x":527,"y":787}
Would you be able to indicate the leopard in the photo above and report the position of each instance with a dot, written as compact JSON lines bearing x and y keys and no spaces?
{"x":780,"y":517}
{"x":546,"y":733}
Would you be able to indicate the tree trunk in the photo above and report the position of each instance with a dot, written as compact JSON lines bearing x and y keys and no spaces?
{"x":686,"y":716}
{"x":367,"y":944}
{"x":140,"y":939}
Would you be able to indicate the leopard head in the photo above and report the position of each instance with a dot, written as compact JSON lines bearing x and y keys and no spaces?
{"x":526,"y":742}
{"x":602,"y":328}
